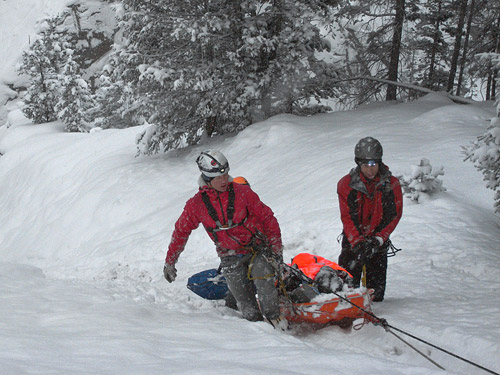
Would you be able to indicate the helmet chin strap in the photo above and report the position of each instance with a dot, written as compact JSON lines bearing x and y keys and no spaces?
{"x":206,"y":178}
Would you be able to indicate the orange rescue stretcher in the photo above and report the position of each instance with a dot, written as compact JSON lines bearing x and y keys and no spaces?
{"x":324,"y":310}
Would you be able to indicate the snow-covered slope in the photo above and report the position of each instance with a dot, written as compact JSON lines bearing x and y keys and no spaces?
{"x":85,"y":226}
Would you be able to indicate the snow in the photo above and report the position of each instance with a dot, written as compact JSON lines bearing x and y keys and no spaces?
{"x":85,"y":226}
{"x":19,"y":22}
{"x":86,"y":223}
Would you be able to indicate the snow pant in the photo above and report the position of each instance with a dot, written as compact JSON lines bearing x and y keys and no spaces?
{"x":376,"y":269}
{"x":243,"y":285}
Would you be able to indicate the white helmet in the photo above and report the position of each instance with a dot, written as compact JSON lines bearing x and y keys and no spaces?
{"x":212,"y":164}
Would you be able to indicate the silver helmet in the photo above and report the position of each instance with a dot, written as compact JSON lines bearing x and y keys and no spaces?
{"x":212,"y":163}
{"x":368,"y":148}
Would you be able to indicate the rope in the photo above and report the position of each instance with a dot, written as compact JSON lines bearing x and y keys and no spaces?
{"x":418,"y":351}
{"x":386,"y":326}
{"x":443,"y":350}
{"x":380,"y":321}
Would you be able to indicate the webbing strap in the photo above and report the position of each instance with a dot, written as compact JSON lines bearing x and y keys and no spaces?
{"x":213,"y":213}
{"x":210,"y":208}
{"x":230,"y":205}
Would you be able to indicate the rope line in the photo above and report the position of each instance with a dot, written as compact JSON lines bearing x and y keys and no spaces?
{"x":443,"y":350}
{"x":386,"y":326}
{"x":382,"y":322}
{"x":418,"y":351}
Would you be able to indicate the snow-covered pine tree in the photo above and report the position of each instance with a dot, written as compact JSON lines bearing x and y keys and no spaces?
{"x":114,"y":102}
{"x":75,"y":97}
{"x":204,"y":67}
{"x":429,"y":42}
{"x":87,"y":28}
{"x":486,"y":40}
{"x":485,"y":154}
{"x":366,"y":31}
{"x":371,"y":32}
{"x":41,"y":62}
{"x":423,"y":181}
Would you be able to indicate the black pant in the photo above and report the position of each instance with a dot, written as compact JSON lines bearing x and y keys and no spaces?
{"x":376,"y":269}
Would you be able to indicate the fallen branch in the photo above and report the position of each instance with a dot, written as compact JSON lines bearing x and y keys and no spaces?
{"x":455,"y":98}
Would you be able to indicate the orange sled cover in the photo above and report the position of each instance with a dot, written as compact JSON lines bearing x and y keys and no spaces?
{"x":324,"y":309}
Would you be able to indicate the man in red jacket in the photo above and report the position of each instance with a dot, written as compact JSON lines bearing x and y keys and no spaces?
{"x":246,"y":234}
{"x":371,"y":206}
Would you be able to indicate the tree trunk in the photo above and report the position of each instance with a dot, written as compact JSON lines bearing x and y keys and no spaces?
{"x":396,"y":48}
{"x":269,"y":54}
{"x":495,"y":71}
{"x":466,"y":44}
{"x":488,"y":86}
{"x":458,"y":43}
{"x":435,"y":46}
{"x":211,"y":125}
{"x":494,"y":86}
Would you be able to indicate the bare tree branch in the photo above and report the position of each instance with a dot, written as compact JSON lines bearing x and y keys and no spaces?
{"x":410,"y":86}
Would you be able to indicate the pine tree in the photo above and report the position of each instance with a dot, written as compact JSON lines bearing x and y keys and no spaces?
{"x":75,"y":99}
{"x":485,"y":154}
{"x":41,"y":63}
{"x":372,"y":34}
{"x":113,"y":102}
{"x":485,"y":46}
{"x":433,"y":45}
{"x":86,"y":31}
{"x":457,"y":46}
{"x":428,"y":40}
{"x":465,"y":51}
{"x":210,"y":67}
{"x":397,"y":32}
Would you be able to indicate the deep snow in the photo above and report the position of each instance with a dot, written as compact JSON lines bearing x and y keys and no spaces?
{"x":85,"y":226}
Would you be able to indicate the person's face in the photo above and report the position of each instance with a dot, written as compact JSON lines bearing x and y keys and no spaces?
{"x":220,"y":183}
{"x":369,"y":169}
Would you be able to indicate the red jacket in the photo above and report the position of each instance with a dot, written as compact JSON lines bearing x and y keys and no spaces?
{"x":249,"y":210}
{"x":369,"y":208}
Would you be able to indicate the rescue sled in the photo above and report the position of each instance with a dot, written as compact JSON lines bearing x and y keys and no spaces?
{"x":341,"y":308}
{"x":330,"y":308}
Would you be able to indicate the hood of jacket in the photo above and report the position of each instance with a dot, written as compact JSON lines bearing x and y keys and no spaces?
{"x":381,"y":180}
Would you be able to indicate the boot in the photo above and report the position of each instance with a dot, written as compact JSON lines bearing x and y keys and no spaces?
{"x":279,"y":323}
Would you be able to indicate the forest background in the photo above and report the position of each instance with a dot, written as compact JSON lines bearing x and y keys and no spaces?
{"x":186,"y":71}
{"x":198,"y":68}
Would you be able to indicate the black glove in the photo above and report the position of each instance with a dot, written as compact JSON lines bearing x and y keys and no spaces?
{"x":374,"y":245}
{"x":169,"y":272}
{"x":374,"y":241}
{"x":363,"y":253}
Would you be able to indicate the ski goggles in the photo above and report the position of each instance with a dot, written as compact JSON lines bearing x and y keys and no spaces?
{"x":369,"y":163}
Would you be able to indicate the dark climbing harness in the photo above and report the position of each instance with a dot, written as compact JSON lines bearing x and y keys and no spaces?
{"x":229,"y":214}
